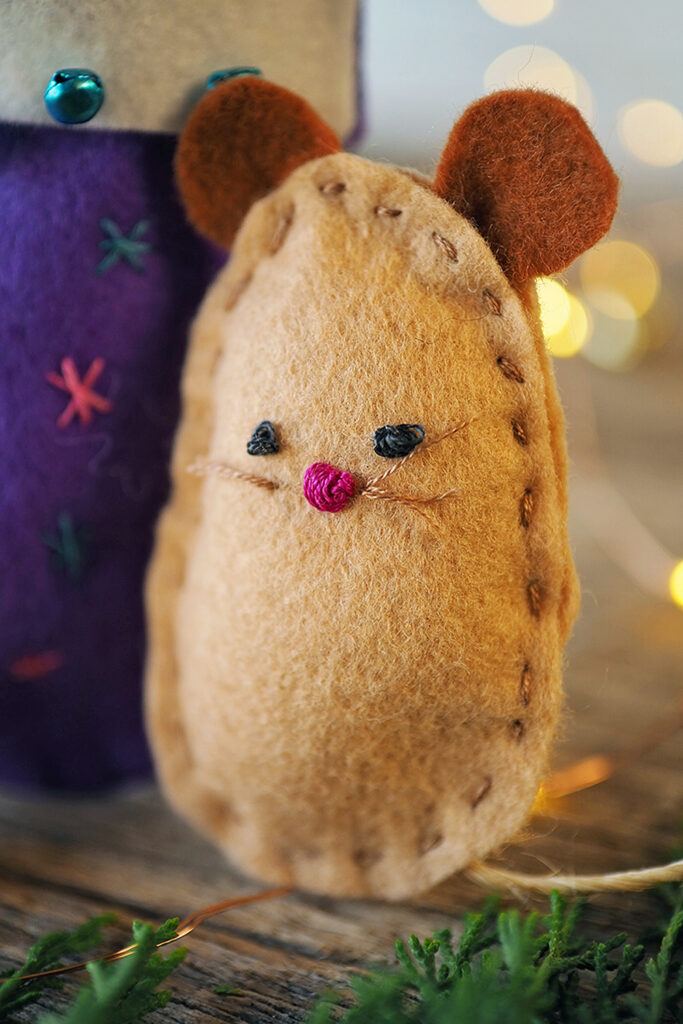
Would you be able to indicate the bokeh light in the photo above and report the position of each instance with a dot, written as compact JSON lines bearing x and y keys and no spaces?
{"x":621,"y":279}
{"x":660,"y":225}
{"x":652,"y":131}
{"x":553,"y":303}
{"x":663,"y":321}
{"x":615,"y":344}
{"x":572,"y":337}
{"x":564,"y":319}
{"x":518,"y":12}
{"x":537,"y":66}
{"x":676,"y":584}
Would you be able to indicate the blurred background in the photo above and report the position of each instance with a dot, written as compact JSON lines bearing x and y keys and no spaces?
{"x":613,"y":322}
{"x":620,"y":63}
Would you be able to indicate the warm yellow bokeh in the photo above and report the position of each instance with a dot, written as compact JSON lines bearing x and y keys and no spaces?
{"x":652,"y":131}
{"x":620,"y":279}
{"x":565,"y":322}
{"x":518,"y":12}
{"x":575,"y":333}
{"x":554,"y":307}
{"x":616,"y":344}
{"x":539,"y":67}
{"x":676,"y":584}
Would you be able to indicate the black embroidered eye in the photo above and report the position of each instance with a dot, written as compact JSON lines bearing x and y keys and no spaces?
{"x":263,"y":441}
{"x":397,"y":440}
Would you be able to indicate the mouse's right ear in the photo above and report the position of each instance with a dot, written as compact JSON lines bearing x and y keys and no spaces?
{"x":241,"y":141}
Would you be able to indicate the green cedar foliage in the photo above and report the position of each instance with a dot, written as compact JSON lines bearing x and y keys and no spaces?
{"x":48,"y":952}
{"x":122,"y":992}
{"x":509,"y":969}
{"x":506,"y":969}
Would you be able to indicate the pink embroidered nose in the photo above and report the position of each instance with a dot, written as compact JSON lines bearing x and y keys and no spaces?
{"x":327,"y":488}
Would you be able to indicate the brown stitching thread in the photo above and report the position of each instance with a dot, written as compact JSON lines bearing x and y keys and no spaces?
{"x":517,"y":729}
{"x":386,"y":211}
{"x":446,"y":245}
{"x":483,"y":791}
{"x":534,"y":594}
{"x":216,"y":359}
{"x":519,"y":433}
{"x":280,"y":233}
{"x":366,"y":858}
{"x":332,"y":188}
{"x":492,"y":302}
{"x":526,"y":508}
{"x":224,"y":472}
{"x":430,"y":843}
{"x":236,"y":291}
{"x":509,"y":369}
{"x":525,"y":686}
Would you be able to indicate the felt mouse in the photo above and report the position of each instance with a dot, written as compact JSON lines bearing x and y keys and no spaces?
{"x":362,"y":584}
{"x":100,"y":278}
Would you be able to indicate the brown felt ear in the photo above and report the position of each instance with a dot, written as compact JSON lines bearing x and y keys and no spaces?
{"x":242,"y":139}
{"x":526,"y":169}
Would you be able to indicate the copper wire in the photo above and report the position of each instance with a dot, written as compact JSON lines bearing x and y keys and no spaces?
{"x":184,"y":928}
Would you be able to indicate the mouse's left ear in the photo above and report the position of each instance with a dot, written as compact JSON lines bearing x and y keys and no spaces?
{"x":526,"y":169}
{"x":241,"y":141}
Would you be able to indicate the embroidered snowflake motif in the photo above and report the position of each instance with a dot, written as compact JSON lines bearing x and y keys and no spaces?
{"x":118,"y":246}
{"x":83,"y":398}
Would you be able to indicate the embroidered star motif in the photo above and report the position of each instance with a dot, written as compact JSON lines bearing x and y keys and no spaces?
{"x":121,"y":247}
{"x":83,"y":398}
{"x":70,"y":546}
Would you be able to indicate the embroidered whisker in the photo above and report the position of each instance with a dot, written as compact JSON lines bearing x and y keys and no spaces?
{"x":224,"y":472}
{"x":398,"y":499}
{"x":379,"y":494}
{"x":425,"y":446}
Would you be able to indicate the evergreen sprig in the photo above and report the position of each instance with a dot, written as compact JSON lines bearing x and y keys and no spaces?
{"x":510,"y":969}
{"x":125,"y":991}
{"x":506,"y":969}
{"x":122,"y":992}
{"x":48,"y":952}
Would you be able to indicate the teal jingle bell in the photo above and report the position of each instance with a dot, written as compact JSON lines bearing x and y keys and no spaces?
{"x":74,"y":95}
{"x":224,"y":75}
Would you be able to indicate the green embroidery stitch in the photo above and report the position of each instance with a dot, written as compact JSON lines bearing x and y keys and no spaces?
{"x":69,"y":546}
{"x":121,"y":247}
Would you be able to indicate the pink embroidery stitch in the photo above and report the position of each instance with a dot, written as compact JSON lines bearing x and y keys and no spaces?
{"x":327,"y":488}
{"x":83,"y":398}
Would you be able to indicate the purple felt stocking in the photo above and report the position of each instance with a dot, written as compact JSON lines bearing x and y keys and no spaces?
{"x":99,"y":280}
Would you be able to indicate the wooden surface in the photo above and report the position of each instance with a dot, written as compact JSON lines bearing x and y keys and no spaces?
{"x":63,"y":860}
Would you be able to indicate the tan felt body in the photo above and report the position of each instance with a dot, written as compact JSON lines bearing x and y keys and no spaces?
{"x":361,"y":702}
